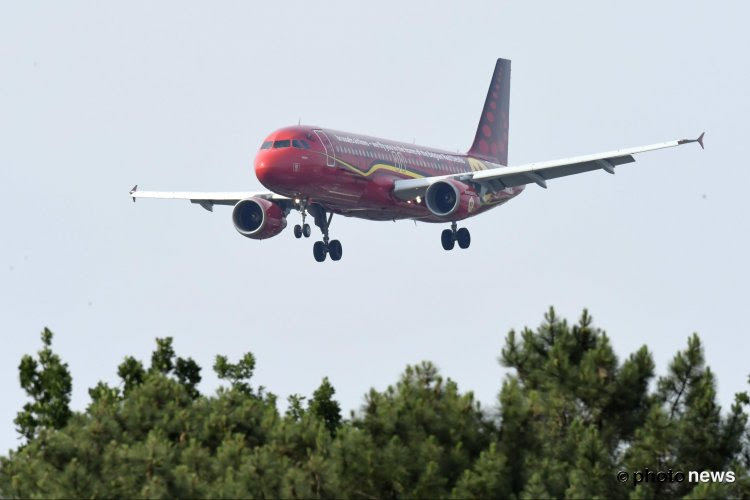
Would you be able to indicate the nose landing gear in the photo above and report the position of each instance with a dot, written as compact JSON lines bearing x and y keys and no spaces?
{"x":304,"y":229}
{"x":449,"y":237}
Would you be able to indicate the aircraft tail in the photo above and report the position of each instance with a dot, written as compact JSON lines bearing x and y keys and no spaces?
{"x":491,"y":141}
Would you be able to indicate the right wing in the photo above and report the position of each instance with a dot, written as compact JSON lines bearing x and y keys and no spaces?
{"x":207,"y":200}
{"x":501,"y":178}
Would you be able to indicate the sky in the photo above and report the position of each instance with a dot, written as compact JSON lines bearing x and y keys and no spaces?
{"x":96,"y":97}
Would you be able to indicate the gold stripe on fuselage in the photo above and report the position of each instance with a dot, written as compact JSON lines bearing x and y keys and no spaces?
{"x":380,"y":166}
{"x":477,"y":165}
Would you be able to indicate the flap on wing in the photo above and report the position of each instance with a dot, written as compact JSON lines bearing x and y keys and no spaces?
{"x":540,"y":173}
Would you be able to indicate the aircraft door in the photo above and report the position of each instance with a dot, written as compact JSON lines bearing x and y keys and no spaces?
{"x":328,"y":147}
{"x":398,"y":161}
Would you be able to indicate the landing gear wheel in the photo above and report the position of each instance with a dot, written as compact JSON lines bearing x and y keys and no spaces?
{"x":297,"y":231}
{"x":334,"y":248}
{"x":446,"y":238}
{"x":306,"y":231}
{"x":319,"y":251}
{"x":463,"y":237}
{"x":327,"y":246}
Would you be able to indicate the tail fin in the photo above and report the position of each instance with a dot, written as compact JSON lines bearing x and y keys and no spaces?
{"x":491,"y":141}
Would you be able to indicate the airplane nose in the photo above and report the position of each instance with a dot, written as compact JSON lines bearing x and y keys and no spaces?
{"x":274,"y":170}
{"x":262,"y":169}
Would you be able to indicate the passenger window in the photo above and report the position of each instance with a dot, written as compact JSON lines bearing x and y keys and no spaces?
{"x":282,"y":144}
{"x":266,"y":145}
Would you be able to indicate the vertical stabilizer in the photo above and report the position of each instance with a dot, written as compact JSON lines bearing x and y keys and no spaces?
{"x":491,"y":141}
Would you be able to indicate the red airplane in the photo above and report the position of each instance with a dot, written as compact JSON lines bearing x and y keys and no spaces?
{"x":322,"y":172}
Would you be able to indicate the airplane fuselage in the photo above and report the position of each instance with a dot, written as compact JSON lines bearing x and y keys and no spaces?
{"x":353,"y":175}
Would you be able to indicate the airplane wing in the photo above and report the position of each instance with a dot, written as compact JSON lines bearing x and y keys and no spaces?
{"x":539,"y":173}
{"x":206,"y":199}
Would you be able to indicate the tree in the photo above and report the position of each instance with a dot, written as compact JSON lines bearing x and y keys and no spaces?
{"x":131,"y":373}
{"x":685,"y":430}
{"x":48,"y":383}
{"x":414,"y":439}
{"x":569,"y":406}
{"x":238,"y":374}
{"x":570,"y":416}
{"x":323,"y":406}
{"x":188,"y":373}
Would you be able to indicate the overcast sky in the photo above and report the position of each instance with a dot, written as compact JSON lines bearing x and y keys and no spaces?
{"x":178,"y":96}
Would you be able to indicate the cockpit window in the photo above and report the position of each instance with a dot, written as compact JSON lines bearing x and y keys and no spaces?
{"x":300,"y":144}
{"x":282,"y":144}
{"x":266,"y":145}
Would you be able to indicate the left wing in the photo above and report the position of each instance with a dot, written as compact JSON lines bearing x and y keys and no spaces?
{"x":539,"y":173}
{"x":206,"y":200}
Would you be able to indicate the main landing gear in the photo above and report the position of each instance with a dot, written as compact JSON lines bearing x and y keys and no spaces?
{"x":326,"y":247}
{"x":450,"y":236}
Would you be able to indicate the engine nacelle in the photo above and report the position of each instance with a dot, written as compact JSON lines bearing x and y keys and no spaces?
{"x":258,"y":219}
{"x":451,"y":199}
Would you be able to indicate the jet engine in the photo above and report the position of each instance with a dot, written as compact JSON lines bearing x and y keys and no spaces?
{"x":258,"y":219}
{"x":450,"y":198}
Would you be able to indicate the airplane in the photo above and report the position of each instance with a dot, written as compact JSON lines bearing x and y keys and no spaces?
{"x":321,"y":172}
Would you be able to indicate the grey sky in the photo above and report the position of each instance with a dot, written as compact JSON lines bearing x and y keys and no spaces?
{"x":175,"y":96}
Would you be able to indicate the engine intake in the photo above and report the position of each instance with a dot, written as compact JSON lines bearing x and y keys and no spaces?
{"x":451,"y":198}
{"x":258,"y":219}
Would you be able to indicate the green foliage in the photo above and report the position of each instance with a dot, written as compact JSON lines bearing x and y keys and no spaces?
{"x":570,"y":416}
{"x":295,"y":410}
{"x":238,"y":374}
{"x":48,"y":383}
{"x":569,"y":407}
{"x":188,"y":373}
{"x":686,"y":431}
{"x":323,"y":406}
{"x":131,"y":373}
{"x":162,"y":358}
{"x":488,"y":477}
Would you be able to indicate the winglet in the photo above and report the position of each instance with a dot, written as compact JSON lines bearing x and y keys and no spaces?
{"x":699,"y":140}
{"x":135,"y":188}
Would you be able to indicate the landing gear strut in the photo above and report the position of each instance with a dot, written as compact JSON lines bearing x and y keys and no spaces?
{"x":449,"y":237}
{"x":327,"y":246}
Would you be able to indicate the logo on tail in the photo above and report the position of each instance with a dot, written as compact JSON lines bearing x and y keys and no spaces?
{"x":491,"y":140}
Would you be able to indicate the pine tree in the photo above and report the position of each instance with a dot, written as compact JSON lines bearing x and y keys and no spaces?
{"x":49,"y":384}
{"x":238,"y":374}
{"x":132,"y":373}
{"x":568,"y":408}
{"x":323,"y":406}
{"x":685,"y":430}
{"x":570,"y":416}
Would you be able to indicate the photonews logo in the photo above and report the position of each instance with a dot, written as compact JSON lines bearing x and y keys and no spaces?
{"x":670,"y":476}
